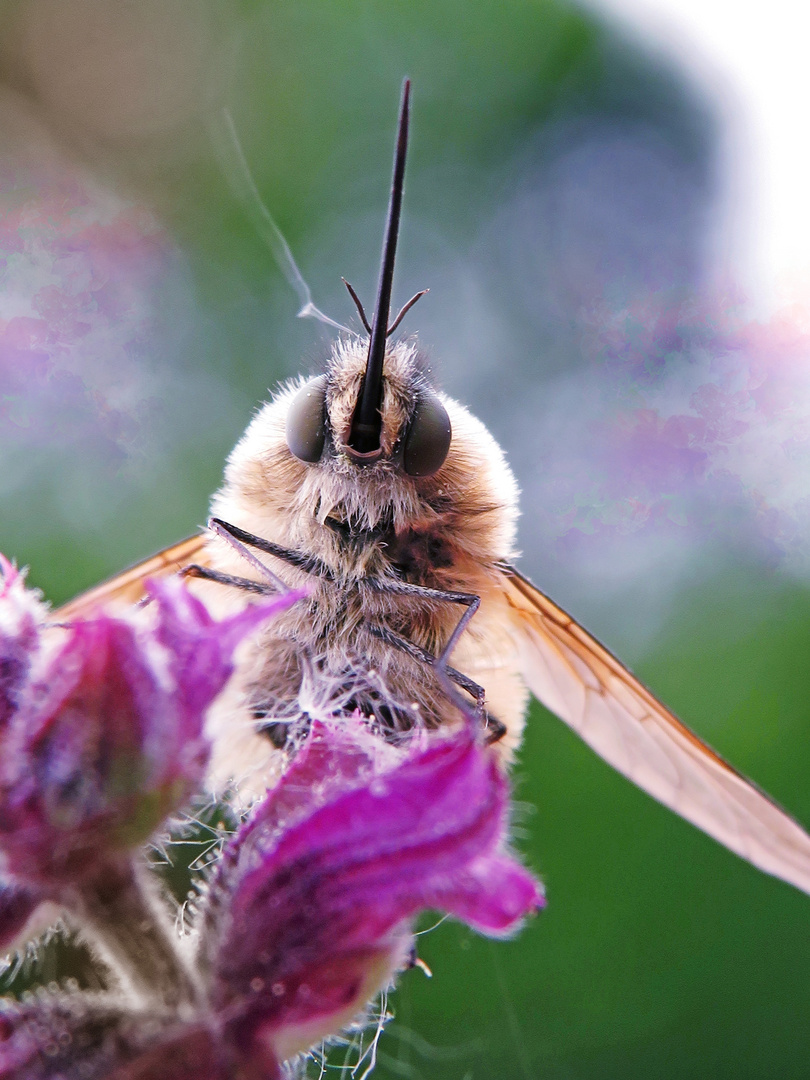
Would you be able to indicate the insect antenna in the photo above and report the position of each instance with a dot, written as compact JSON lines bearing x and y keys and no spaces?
{"x":365,"y":433}
{"x":403,"y":311}
{"x":357,"y":304}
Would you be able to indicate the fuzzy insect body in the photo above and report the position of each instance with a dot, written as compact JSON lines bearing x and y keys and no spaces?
{"x":372,"y":530}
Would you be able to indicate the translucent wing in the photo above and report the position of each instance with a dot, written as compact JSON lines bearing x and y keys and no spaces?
{"x":578,"y":679}
{"x":128,"y":586}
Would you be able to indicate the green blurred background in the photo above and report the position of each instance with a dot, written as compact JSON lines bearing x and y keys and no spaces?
{"x":555,"y":168}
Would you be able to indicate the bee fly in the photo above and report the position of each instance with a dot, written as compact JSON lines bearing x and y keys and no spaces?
{"x":396,"y":508}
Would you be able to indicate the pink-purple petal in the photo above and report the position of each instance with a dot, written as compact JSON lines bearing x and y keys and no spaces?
{"x":494,"y":896}
{"x":448,"y":801}
{"x":333,"y":894}
{"x":338,"y":756}
{"x":202,"y":648}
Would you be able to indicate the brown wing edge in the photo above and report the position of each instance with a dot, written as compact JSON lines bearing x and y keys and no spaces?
{"x":127,"y":587}
{"x":533,"y":599}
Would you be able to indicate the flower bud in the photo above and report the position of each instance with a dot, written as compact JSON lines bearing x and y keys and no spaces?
{"x":311,"y":911}
{"x":107,"y":739}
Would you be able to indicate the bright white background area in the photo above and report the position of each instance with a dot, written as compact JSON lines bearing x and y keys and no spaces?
{"x":753,"y":61}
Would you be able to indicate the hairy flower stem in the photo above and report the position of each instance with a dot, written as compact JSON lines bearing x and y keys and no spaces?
{"x":122,"y":917}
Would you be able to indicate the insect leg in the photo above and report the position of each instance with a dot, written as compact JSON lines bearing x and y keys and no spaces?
{"x":446,"y":674}
{"x":405,"y":588}
{"x":247,"y":584}
{"x":496,"y":729}
{"x":308,"y":563}
{"x":416,"y":652}
{"x":247,"y":555}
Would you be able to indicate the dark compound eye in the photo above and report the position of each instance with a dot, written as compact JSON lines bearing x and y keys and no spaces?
{"x":428,"y":438}
{"x":306,"y":421}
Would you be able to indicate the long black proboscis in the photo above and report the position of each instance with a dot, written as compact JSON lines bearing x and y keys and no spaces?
{"x":366,"y":425}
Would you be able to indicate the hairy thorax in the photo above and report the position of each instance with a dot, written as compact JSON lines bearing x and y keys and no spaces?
{"x":370,"y":530}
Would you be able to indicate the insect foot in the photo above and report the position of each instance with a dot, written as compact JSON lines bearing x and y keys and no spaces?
{"x":307,"y":914}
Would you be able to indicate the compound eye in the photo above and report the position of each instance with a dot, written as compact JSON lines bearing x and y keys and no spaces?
{"x":306,"y":421}
{"x":428,"y":438}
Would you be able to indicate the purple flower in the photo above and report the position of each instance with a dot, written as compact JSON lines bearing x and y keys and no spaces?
{"x":310,"y":914}
{"x":105,"y":733}
{"x":308,"y":917}
{"x":22,"y":615}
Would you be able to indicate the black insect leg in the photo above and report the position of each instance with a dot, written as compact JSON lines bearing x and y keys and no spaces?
{"x":416,"y":652}
{"x":405,"y":588}
{"x":447,"y":676}
{"x":219,"y":530}
{"x":308,"y":563}
{"x":247,"y":584}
